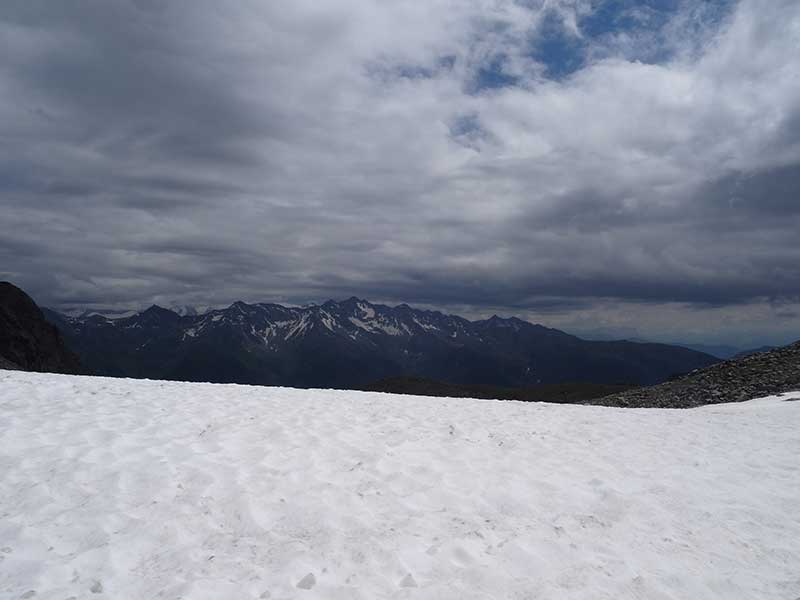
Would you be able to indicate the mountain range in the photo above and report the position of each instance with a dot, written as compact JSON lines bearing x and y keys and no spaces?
{"x":352,"y":343}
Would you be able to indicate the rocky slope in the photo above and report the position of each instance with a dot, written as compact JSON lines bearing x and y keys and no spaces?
{"x":753,"y":376}
{"x":27,"y":341}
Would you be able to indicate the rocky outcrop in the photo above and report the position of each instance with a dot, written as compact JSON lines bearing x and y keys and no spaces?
{"x":8,"y":365}
{"x":27,"y":341}
{"x":737,"y":380}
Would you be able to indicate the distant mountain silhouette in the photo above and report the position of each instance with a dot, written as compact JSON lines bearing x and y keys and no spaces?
{"x":27,"y":341}
{"x":744,"y":353}
{"x":720,"y":351}
{"x":352,"y":343}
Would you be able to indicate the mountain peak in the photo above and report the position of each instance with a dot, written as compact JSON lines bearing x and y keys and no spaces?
{"x":156,"y":309}
{"x":498,"y":320}
{"x":157,"y":313}
{"x":355,"y":300}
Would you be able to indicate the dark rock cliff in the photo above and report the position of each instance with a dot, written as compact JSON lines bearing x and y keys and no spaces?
{"x":27,"y":341}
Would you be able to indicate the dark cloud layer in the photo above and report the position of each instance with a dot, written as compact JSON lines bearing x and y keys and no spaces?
{"x":196,"y":152}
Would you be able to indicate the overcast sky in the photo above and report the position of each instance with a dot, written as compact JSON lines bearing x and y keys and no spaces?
{"x":609,"y":167}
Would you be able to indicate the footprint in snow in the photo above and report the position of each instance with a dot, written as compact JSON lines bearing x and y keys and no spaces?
{"x":408,"y":581}
{"x":307,"y":582}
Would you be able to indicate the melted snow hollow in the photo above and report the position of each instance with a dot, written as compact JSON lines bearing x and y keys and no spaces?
{"x":142,"y":489}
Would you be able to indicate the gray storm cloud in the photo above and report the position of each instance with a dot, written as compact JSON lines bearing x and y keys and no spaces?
{"x":200,"y":152}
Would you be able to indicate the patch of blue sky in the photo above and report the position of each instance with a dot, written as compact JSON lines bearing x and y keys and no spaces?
{"x":466,"y":130}
{"x":388,"y":71}
{"x":559,"y":50}
{"x":612,"y":16}
{"x":465,"y":125}
{"x":631,"y":29}
{"x":563,"y":53}
{"x":493,"y":75}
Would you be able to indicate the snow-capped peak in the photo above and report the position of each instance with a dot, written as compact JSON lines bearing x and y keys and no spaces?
{"x":184,"y":310}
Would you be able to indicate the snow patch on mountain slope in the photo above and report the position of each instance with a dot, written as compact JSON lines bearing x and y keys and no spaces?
{"x":367,"y":312}
{"x":391,"y":328}
{"x":381,"y":325}
{"x":274,"y":330}
{"x":328,"y":321}
{"x":189,"y":333}
{"x":142,"y":489}
{"x":298,"y":327}
{"x":424,"y":325}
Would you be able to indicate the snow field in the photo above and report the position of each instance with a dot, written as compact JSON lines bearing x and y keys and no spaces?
{"x":113,"y":488}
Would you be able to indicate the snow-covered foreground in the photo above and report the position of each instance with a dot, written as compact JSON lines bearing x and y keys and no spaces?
{"x":143,"y":489}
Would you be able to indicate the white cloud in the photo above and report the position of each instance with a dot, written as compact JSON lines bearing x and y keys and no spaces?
{"x":314,"y":149}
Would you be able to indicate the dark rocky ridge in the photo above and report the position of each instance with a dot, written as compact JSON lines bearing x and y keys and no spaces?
{"x":737,"y":380}
{"x":27,"y":341}
{"x":560,"y":393}
{"x":8,"y":365}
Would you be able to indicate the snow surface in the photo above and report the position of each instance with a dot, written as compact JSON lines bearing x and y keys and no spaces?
{"x":145,"y":489}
